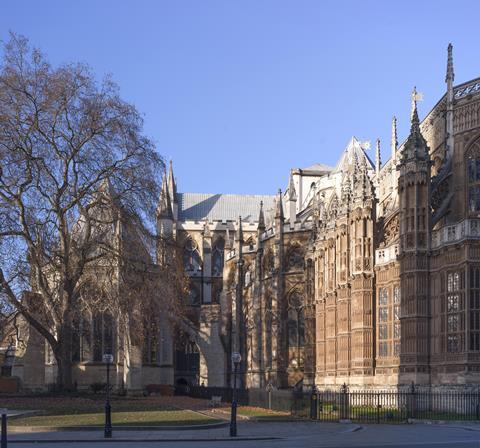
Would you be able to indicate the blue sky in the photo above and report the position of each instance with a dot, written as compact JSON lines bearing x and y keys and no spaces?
{"x":239,"y":92}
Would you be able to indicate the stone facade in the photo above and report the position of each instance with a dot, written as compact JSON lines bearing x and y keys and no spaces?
{"x":365,"y":273}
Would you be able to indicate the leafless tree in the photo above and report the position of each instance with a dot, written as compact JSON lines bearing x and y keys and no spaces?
{"x":76,"y":171}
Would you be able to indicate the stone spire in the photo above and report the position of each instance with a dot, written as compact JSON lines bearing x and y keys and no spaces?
{"x":394,"y":143}
{"x":415,"y":147}
{"x":449,"y":78}
{"x":450,"y":74}
{"x":172,"y":186}
{"x":261,"y":218}
{"x":414,"y":114}
{"x":164,"y":208}
{"x":378,"y":160}
{"x":279,"y":206}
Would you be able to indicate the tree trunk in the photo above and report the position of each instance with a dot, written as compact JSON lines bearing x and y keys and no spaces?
{"x":63,"y":356}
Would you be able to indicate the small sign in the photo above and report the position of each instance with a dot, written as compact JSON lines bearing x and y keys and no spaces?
{"x":107,"y":358}
{"x":3,"y":411}
{"x":269,"y":387}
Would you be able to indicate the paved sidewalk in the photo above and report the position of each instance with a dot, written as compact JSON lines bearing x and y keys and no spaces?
{"x":246,"y":431}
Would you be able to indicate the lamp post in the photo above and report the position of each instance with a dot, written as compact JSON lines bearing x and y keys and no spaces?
{"x":236,"y":358}
{"x":3,"y":442}
{"x":108,"y":359}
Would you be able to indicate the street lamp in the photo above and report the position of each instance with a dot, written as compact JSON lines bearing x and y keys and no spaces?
{"x":236,"y":358}
{"x":108,"y":359}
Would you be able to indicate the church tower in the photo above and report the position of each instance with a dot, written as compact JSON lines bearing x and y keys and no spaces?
{"x":414,"y":202}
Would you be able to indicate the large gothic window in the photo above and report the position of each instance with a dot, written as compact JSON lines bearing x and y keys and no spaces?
{"x":473,"y":176}
{"x":454,"y":313}
{"x":383,"y":322}
{"x":191,"y":256}
{"x":296,"y":321}
{"x":217,"y":257}
{"x":475,"y":308}
{"x":103,"y":335}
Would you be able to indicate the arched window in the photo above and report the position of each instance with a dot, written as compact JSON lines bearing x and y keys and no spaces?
{"x":294,"y":258}
{"x":217,"y":257}
{"x":296,"y":321}
{"x":473,"y":176}
{"x":250,"y":243}
{"x":191,"y":257}
{"x":103,"y":335}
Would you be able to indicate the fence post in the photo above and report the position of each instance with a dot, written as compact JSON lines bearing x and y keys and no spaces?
{"x":412,"y":405}
{"x":313,"y":404}
{"x":344,"y":402}
{"x":378,"y":407}
{"x":3,"y":444}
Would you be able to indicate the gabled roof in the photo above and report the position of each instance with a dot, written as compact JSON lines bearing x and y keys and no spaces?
{"x":320,"y":167}
{"x":353,"y":154}
{"x":221,"y":207}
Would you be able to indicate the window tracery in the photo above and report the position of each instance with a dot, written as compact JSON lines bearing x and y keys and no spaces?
{"x":454,"y":322}
{"x":191,"y":256}
{"x":473,"y":177}
{"x":296,"y":321}
{"x":217,"y":257}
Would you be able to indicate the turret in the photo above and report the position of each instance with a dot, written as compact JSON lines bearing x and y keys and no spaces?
{"x":414,"y":205}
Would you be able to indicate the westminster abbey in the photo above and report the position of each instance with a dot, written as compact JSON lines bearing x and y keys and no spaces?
{"x":366,"y":273}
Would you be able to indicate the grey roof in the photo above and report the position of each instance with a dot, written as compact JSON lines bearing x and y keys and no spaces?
{"x":221,"y":207}
{"x":318,"y":167}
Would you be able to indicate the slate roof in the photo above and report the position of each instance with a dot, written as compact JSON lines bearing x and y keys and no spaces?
{"x":221,"y":207}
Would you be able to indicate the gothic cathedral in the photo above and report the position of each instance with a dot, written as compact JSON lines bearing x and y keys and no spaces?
{"x":366,"y":273}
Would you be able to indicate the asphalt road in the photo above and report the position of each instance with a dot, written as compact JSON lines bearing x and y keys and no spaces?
{"x":289,"y":435}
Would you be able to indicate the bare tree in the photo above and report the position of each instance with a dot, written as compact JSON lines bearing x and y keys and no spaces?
{"x":74,"y":163}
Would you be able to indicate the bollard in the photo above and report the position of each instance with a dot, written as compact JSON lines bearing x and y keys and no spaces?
{"x":3,"y":443}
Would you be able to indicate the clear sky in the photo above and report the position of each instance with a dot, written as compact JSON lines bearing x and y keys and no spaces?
{"x":239,"y":92}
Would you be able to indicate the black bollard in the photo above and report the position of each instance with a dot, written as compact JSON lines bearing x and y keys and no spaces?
{"x":4,"y":428}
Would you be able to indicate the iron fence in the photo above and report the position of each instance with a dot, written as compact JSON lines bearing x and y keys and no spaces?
{"x":394,"y":406}
{"x":363,"y":406}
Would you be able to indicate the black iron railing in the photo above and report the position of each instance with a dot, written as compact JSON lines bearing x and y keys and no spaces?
{"x":366,"y":406}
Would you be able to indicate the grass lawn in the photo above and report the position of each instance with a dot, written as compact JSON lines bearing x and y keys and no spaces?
{"x":86,"y":410}
{"x":138,"y":418}
{"x":261,"y":413}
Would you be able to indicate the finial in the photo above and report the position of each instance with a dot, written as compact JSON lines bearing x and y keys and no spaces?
{"x":239,"y":233}
{"x":261,"y":217}
{"x":206,"y":229}
{"x":394,"y":143}
{"x":378,"y":161}
{"x":415,"y":97}
{"x":292,"y":194}
{"x":279,"y":206}
{"x":450,"y":74}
